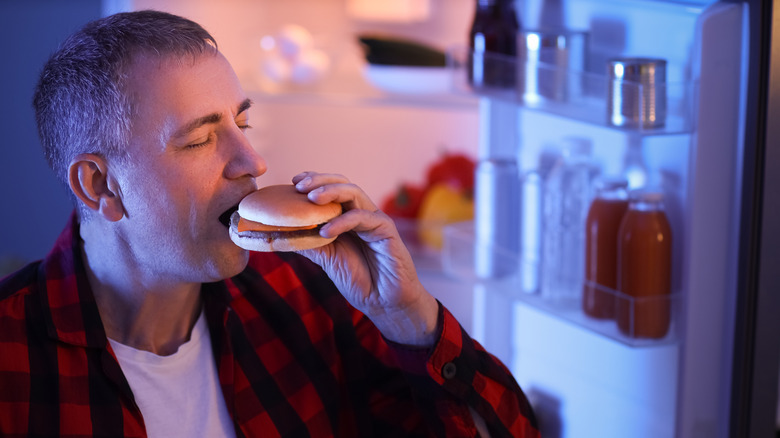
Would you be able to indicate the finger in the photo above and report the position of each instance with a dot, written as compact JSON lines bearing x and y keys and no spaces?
{"x":370,"y":226}
{"x":306,"y":181}
{"x":349,"y":195}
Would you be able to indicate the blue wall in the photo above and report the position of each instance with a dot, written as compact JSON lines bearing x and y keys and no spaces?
{"x":33,"y":205}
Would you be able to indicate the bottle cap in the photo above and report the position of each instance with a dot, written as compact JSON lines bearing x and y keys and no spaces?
{"x":645,"y":195}
{"x":611,"y":183}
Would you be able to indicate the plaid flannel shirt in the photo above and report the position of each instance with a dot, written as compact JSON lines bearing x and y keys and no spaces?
{"x":294,"y":359}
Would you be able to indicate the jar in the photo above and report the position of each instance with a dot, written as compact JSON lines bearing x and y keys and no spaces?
{"x":644,"y":267}
{"x":601,"y":247}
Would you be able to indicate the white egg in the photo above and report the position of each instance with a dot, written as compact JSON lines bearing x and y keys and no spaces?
{"x":293,"y":40}
{"x":276,"y":69}
{"x":311,"y":65}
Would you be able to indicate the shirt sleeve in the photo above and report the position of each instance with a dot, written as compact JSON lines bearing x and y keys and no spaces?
{"x":456,"y":375}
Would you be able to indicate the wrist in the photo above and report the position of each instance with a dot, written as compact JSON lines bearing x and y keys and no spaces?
{"x":416,"y":326}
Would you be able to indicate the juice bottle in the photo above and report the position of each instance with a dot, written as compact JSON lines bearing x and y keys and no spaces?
{"x":601,"y":246}
{"x":644,"y":268}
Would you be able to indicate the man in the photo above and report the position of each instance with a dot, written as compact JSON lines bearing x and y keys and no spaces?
{"x":145,"y":318}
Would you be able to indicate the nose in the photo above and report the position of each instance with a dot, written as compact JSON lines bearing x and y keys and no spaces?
{"x":244,"y":159}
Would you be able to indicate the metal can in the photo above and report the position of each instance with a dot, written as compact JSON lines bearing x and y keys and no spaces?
{"x":636,"y":92}
{"x":530,"y":230}
{"x":552,"y":62}
{"x":496,"y":218}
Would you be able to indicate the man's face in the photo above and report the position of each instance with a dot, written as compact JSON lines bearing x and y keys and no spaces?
{"x":189,"y":162}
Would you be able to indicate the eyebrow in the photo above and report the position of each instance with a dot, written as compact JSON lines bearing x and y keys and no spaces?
{"x":209,"y":119}
{"x":244,"y":105}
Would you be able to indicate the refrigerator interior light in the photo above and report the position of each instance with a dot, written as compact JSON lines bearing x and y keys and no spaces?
{"x":394,"y":11}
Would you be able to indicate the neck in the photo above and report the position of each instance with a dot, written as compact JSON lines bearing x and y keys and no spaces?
{"x":139,"y":310}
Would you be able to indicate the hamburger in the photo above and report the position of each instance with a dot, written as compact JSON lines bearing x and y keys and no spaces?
{"x":280,"y":218}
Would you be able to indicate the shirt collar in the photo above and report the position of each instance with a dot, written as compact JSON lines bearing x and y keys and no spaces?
{"x":70,"y":310}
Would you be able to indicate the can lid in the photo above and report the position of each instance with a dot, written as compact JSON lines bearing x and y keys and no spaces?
{"x":553,"y":39}
{"x":642,"y":70}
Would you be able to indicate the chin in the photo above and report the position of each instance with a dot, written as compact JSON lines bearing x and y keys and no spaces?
{"x":236,"y":264}
{"x":226,"y":264}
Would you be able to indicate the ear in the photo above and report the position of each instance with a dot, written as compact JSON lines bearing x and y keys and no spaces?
{"x":91,"y":182}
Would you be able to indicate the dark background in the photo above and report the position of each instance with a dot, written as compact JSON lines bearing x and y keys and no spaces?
{"x":34,"y":206}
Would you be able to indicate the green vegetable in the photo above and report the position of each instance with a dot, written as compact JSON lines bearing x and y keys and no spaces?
{"x":396,"y":51}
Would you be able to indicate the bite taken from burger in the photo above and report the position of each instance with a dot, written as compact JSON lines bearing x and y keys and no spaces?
{"x":280,"y":218}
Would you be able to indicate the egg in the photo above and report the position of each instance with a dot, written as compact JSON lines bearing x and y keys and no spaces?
{"x":276,"y":69}
{"x":292,"y":40}
{"x":310,"y":66}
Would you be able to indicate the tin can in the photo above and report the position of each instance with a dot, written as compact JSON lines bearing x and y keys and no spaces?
{"x":496,"y":218}
{"x":551,"y":62}
{"x":636,"y":93}
{"x":531,"y":195}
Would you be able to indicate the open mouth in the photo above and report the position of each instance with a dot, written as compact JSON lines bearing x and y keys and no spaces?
{"x":224,"y":218}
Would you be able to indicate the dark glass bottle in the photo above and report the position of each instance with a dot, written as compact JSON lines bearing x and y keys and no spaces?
{"x":493,"y":44}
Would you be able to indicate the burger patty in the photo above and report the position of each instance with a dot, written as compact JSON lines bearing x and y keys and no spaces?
{"x":270,"y":236}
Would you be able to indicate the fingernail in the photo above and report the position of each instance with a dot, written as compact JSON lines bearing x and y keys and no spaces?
{"x":302,"y":184}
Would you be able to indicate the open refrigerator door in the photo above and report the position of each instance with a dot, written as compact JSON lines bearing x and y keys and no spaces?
{"x":661,"y":366}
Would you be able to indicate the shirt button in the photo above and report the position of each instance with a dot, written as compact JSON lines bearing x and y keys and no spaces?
{"x":449,"y":370}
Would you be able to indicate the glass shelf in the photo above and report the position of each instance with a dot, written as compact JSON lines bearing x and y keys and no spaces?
{"x":576,"y":95}
{"x":691,"y":3}
{"x":579,"y":95}
{"x":353,"y":89}
{"x":640,"y":322}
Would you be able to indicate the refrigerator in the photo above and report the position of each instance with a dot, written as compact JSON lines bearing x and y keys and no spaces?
{"x":715,"y":372}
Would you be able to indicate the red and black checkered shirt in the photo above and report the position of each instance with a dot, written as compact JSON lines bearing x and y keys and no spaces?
{"x":294,"y":359}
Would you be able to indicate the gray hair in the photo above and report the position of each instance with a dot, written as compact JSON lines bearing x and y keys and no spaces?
{"x":80,"y":103}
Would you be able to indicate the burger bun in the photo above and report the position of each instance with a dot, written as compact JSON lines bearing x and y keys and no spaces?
{"x":288,"y":220}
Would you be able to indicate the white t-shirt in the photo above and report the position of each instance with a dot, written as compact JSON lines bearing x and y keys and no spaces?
{"x":179,"y":395}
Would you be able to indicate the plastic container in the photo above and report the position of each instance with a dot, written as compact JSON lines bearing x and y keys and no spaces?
{"x":567,"y":196}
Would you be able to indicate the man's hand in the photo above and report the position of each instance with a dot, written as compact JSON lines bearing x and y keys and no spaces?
{"x":369,"y":263}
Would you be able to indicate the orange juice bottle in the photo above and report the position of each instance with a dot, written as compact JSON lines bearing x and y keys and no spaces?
{"x":601,"y":246}
{"x":644,"y":267}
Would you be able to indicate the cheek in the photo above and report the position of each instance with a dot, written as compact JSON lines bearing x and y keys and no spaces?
{"x":157,"y":179}
{"x":202,"y":169}
{"x":177,"y":189}
{"x":152,"y":199}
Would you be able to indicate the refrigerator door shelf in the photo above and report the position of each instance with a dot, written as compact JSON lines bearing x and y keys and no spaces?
{"x":689,"y":3}
{"x":639,"y":322}
{"x":579,"y":95}
{"x":351,"y":81}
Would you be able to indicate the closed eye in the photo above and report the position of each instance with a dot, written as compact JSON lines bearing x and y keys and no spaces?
{"x":208,"y":141}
